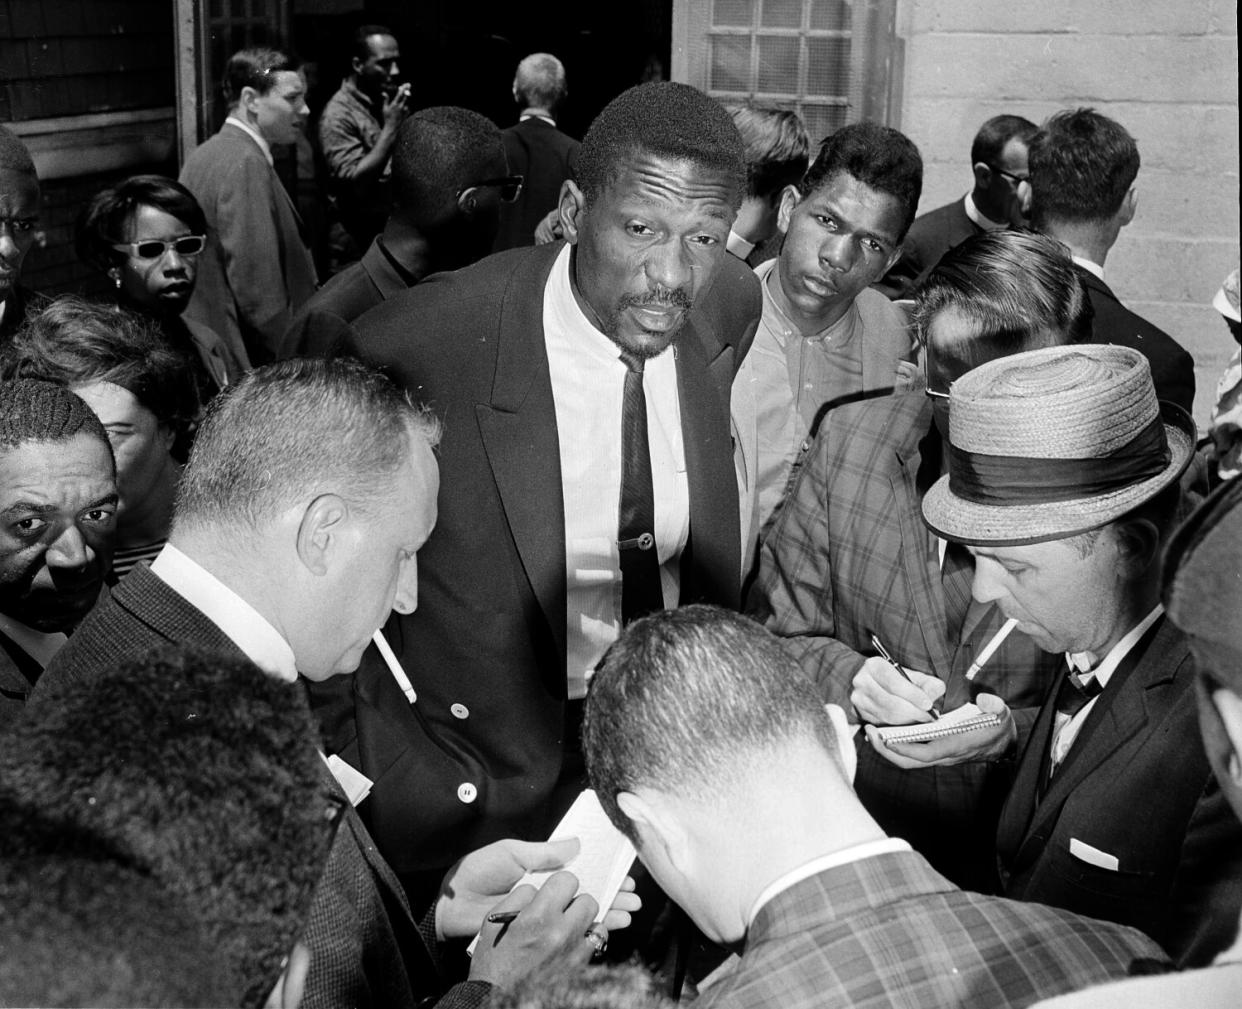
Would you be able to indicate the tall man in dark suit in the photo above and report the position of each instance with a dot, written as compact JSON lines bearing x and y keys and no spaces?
{"x":1063,"y":483}
{"x":536,"y":149}
{"x":58,"y":501}
{"x":310,"y":489}
{"x":1083,"y":166}
{"x":849,"y":556}
{"x":998,"y":200}
{"x":449,"y":181}
{"x":712,"y":751}
{"x":19,"y":216}
{"x":522,"y":585}
{"x":256,"y":270}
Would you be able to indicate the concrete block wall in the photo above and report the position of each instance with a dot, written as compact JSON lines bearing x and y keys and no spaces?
{"x":1167,"y":71}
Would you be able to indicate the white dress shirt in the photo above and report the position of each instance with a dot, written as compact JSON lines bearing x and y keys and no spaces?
{"x":255,"y":135}
{"x":241,"y":622}
{"x":738,"y":246}
{"x":1066,"y":729}
{"x":1093,"y":268}
{"x":588,"y":379}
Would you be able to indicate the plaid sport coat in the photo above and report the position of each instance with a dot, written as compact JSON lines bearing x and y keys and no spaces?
{"x":848,"y":556}
{"x":887,"y":931}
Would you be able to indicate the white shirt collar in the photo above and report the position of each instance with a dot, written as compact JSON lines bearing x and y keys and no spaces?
{"x":1104,"y":670}
{"x":869,"y":849}
{"x":738,"y":245}
{"x":984,"y":222}
{"x":41,"y":646}
{"x":255,"y":135}
{"x":536,"y":114}
{"x":243,"y":624}
{"x":1093,"y":268}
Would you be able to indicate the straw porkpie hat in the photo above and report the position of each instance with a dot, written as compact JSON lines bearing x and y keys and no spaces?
{"x":1054,"y":442}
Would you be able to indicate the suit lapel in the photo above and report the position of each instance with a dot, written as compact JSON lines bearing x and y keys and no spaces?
{"x":518,"y":429}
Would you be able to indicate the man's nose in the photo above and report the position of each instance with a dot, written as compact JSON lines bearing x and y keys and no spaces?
{"x":69,"y":550}
{"x":986,"y":587}
{"x":668,"y":266}
{"x":838,"y":252}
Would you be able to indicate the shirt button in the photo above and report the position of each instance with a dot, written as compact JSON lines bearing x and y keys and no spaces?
{"x":459,"y":710}
{"x":646,"y":541}
{"x":467,"y":792}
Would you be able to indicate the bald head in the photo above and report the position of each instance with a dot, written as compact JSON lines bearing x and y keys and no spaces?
{"x":13,"y":154}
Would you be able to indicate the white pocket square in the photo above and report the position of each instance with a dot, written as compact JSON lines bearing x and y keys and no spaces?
{"x":1093,"y":856}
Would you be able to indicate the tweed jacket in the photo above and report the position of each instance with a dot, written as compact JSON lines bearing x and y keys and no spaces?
{"x":543,"y":156}
{"x":889,"y":932}
{"x":929,"y":238}
{"x":1136,"y":785}
{"x":849,"y":556}
{"x":256,"y":270}
{"x":477,"y":756}
{"x":365,"y":947}
{"x":1172,"y":368}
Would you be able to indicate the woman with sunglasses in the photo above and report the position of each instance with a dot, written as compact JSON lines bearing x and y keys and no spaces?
{"x":146,"y":233}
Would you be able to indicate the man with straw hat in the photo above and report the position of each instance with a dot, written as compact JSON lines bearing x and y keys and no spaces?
{"x":1063,"y":483}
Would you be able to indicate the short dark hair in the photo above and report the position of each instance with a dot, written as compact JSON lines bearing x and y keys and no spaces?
{"x":668,"y":120}
{"x":361,"y":47}
{"x":877,"y":156}
{"x":255,"y":68}
{"x":31,"y":410}
{"x":74,"y":341}
{"x":438,"y":152}
{"x":1082,"y":164}
{"x":993,"y":135}
{"x":292,"y":429}
{"x":777,"y":148}
{"x":1018,"y":290}
{"x":684,"y":696}
{"x":104,"y":220}
{"x":540,"y":81}
{"x":14,"y":157}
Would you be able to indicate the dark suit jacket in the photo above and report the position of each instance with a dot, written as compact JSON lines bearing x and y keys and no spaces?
{"x":486,"y":647}
{"x":365,"y":947}
{"x":256,"y":270}
{"x":887,"y":932}
{"x":930,"y":237}
{"x":18,"y":675}
{"x":543,"y":156}
{"x":849,"y":556}
{"x":324,"y":321}
{"x":20,"y":303}
{"x":1172,"y":368}
{"x":1137,"y":785}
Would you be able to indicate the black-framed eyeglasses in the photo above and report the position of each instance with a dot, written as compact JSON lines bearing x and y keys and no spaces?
{"x":509,"y":186}
{"x":153,"y":248}
{"x":1017,"y":180}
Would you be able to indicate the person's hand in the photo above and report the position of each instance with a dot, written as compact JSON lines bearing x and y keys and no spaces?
{"x":990,"y":743}
{"x":287,"y":994}
{"x":549,"y":229}
{"x":882,"y":696}
{"x":396,"y":106}
{"x":909,"y":377}
{"x":551,"y":922}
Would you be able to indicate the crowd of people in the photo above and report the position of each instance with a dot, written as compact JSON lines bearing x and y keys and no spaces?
{"x":869,"y":567}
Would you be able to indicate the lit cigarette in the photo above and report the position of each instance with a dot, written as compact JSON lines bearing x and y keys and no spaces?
{"x":990,"y":648}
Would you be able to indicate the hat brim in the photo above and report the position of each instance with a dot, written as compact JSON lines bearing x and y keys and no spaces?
{"x":954,"y":518}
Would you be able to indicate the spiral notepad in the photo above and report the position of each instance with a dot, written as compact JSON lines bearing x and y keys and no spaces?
{"x":967,"y":718}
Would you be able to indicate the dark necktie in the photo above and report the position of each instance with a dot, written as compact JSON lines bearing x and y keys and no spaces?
{"x":1072,"y":697}
{"x":956,"y":576}
{"x":640,"y":565}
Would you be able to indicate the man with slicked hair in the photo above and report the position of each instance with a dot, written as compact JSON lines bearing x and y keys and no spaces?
{"x":536,"y":149}
{"x":449,"y":182}
{"x":58,"y":502}
{"x":256,"y":269}
{"x":849,"y":556}
{"x":1000,"y":198}
{"x":19,"y":216}
{"x":522,"y":580}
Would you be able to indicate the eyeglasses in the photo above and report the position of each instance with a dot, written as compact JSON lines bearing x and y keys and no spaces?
{"x":153,"y":248}
{"x":510,"y":187}
{"x":934,"y":394}
{"x":1017,"y":180}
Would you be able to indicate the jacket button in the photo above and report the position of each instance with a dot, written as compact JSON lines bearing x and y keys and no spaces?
{"x":646,"y":541}
{"x":467,"y":792}
{"x":459,"y":710}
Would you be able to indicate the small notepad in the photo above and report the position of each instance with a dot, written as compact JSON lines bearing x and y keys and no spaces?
{"x":967,"y":718}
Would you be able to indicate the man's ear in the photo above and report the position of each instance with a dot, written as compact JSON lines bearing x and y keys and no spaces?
{"x":1129,"y":207}
{"x":789,"y":199}
{"x":982,"y":172}
{"x":320,"y":532}
{"x":661,"y":836}
{"x":247,"y":98}
{"x":468,"y":201}
{"x":892,"y":259}
{"x":1138,"y":545}
{"x":356,"y":64}
{"x":572,"y":207}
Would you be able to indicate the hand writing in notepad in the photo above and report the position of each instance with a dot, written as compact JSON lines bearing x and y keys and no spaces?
{"x":882,"y":696}
{"x":989,"y":743}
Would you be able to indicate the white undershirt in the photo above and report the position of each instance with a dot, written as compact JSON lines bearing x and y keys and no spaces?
{"x":588,"y":379}
{"x":979,"y":218}
{"x":1066,"y":729}
{"x":856,"y":853}
{"x":255,"y":135}
{"x":243,"y":624}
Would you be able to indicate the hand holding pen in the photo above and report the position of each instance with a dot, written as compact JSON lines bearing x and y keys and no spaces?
{"x":887,"y":693}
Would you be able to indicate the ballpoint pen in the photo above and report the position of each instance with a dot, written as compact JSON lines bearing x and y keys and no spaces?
{"x":879,"y":647}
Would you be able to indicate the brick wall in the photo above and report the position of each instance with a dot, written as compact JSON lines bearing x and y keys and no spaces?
{"x":1167,"y":71}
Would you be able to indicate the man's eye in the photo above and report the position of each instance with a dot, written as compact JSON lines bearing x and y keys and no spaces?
{"x":705,"y":240}
{"x":826,"y":221}
{"x":639,"y":229}
{"x":29,"y":526}
{"x":99,"y":515}
{"x":872,"y":245}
